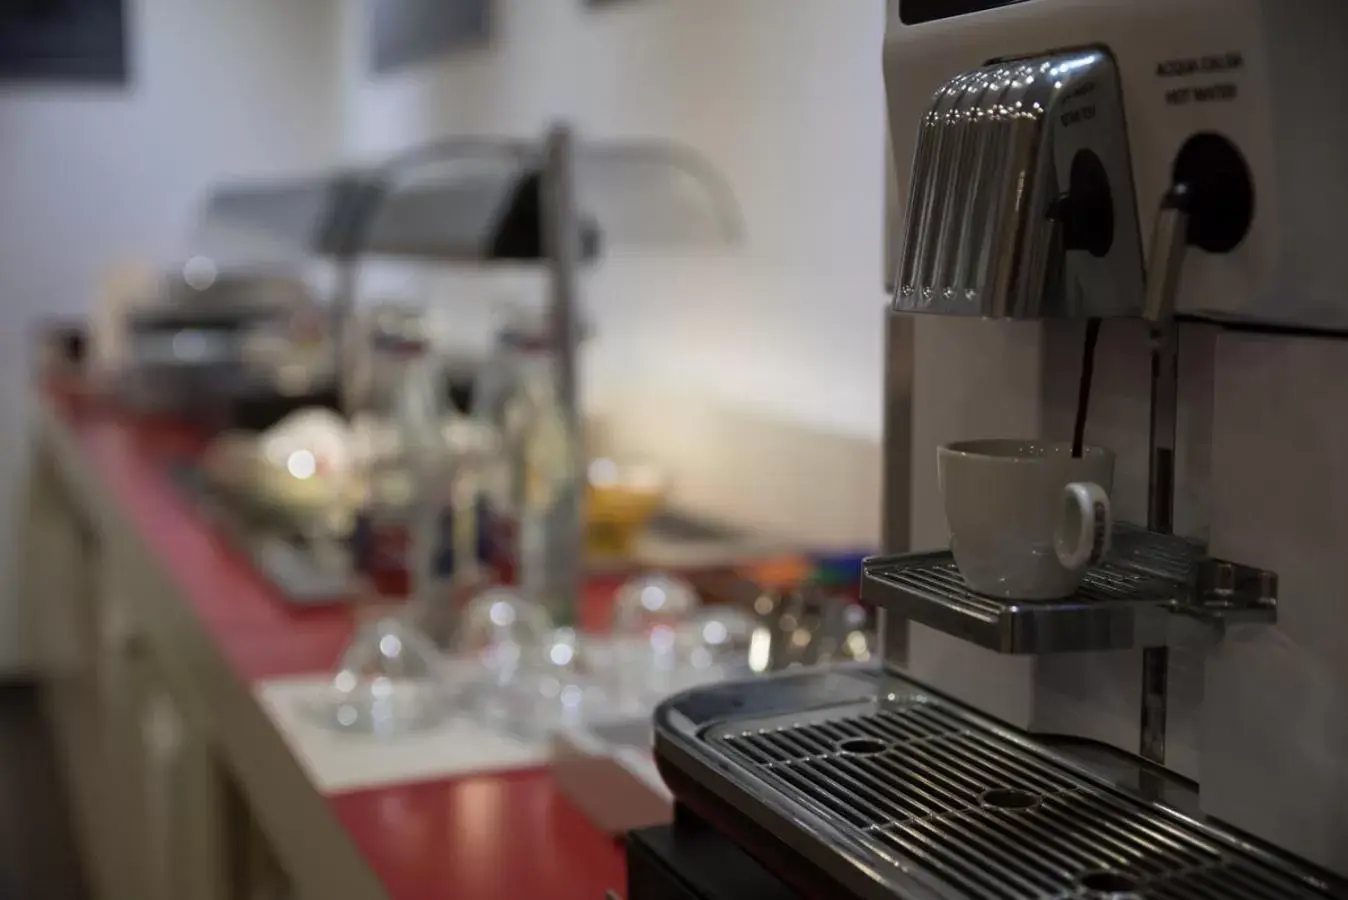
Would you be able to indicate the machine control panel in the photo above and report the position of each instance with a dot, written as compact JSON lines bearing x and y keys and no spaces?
{"x":911,"y":12}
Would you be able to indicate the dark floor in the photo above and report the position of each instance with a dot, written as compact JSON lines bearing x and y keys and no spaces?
{"x":38,"y":859}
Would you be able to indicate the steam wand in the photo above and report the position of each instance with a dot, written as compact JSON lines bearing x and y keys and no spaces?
{"x":1168,"y":246}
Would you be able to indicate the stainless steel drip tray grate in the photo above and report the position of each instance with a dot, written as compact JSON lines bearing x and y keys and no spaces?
{"x":1123,"y":603}
{"x":924,"y":787}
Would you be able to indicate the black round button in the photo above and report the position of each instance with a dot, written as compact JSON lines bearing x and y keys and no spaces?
{"x":1086,"y":211}
{"x":1220,"y":192}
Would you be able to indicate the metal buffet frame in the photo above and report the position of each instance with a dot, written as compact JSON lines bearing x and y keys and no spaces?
{"x":530,"y":185}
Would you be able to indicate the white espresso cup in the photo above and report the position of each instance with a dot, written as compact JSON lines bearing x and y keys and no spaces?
{"x":1026,"y":517}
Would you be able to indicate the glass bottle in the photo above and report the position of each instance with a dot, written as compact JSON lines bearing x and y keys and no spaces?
{"x":539,"y":491}
{"x":448,"y":456}
{"x":390,"y":680}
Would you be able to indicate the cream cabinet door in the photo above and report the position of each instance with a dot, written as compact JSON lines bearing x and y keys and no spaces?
{"x":166,"y":776}
{"x":183,"y":802}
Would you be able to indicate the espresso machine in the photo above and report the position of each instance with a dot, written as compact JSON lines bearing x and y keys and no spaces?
{"x":1161,"y":183}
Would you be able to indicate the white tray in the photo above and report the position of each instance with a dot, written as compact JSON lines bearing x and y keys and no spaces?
{"x":608,"y":771}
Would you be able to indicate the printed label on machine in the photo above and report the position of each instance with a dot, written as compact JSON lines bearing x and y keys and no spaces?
{"x":1208,"y":64}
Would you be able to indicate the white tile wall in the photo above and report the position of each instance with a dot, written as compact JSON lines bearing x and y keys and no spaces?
{"x":93,"y":177}
{"x":739,"y":465}
{"x":761,"y":370}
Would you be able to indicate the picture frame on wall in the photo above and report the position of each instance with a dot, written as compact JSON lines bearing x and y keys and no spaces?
{"x":67,"y":41}
{"x":404,"y":33}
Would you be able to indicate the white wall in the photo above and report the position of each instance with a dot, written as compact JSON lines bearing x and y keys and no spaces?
{"x":786,"y":99}
{"x":93,"y":177}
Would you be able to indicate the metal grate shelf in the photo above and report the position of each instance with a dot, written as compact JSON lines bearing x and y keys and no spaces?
{"x":925,"y":787}
{"x":1126,"y":602}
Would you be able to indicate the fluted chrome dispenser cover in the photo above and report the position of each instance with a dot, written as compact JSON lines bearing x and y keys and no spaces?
{"x":1021,"y":201}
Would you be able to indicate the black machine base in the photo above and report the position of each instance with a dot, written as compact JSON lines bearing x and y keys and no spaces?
{"x":690,"y":860}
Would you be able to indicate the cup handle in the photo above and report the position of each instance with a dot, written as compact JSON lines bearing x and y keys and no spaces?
{"x":1085,"y":527}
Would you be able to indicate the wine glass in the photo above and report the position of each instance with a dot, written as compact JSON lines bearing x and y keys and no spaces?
{"x":495,"y":630}
{"x":650,"y":617}
{"x":388,"y":683}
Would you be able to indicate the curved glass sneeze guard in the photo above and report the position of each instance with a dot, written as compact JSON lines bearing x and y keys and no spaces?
{"x":275,"y":221}
{"x":469,"y":200}
{"x":480,"y":202}
{"x":656,"y":195}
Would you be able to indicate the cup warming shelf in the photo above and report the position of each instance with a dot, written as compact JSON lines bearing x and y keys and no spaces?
{"x":1131,"y":600}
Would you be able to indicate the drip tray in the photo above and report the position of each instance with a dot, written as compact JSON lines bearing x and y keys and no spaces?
{"x":932,"y":802}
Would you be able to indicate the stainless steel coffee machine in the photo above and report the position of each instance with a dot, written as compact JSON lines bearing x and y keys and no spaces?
{"x":1170,"y":172}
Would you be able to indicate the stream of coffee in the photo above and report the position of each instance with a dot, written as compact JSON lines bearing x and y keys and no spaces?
{"x":1084,"y":390}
